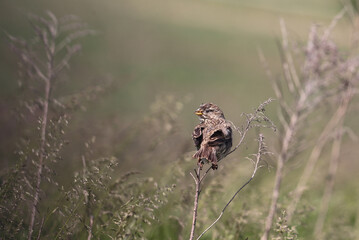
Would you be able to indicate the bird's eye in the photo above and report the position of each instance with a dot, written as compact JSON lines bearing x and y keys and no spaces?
{"x":209,"y":110}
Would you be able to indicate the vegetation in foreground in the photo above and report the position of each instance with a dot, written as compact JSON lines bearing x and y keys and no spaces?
{"x":103,"y":202}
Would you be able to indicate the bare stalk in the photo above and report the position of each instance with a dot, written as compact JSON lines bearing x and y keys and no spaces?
{"x":44,"y":120}
{"x":314,"y":156}
{"x":46,"y":70}
{"x":90,"y":228}
{"x":197,"y":180}
{"x":315,"y":85}
{"x":289,"y":128}
{"x":256,"y":167}
{"x":250,"y":118}
{"x":40,"y":230}
{"x":279,"y":173}
{"x":333,"y":167}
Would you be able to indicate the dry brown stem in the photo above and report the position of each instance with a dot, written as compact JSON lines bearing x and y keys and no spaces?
{"x":328,"y":190}
{"x":337,"y":117}
{"x":318,"y":82}
{"x":283,"y":157}
{"x":289,"y":128}
{"x":48,"y":80}
{"x":89,"y":237}
{"x":42,"y":66}
{"x":197,"y":179}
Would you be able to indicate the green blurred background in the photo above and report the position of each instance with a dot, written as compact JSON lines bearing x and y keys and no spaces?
{"x":206,"y":50}
{"x":192,"y":50}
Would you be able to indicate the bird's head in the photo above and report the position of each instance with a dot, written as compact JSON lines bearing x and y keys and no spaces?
{"x":209,"y":111}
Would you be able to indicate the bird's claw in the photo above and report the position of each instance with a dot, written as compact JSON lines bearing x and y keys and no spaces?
{"x":214,"y":166}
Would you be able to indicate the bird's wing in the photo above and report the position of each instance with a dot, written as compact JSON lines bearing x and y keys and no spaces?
{"x":221,"y":134}
{"x":197,"y":135}
{"x":217,"y":136}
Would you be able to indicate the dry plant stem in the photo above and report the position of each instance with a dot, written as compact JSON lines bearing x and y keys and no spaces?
{"x":314,"y":156}
{"x":197,"y":179}
{"x":50,"y":52}
{"x":41,"y":226}
{"x":333,"y":167}
{"x":90,"y":228}
{"x":41,"y":150}
{"x":288,"y":65}
{"x":289,"y":128}
{"x":256,"y":166}
{"x":279,"y":173}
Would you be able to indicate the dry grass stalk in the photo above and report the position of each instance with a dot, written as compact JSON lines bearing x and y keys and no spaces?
{"x":328,"y":190}
{"x":89,"y":237}
{"x":336,"y":119}
{"x":289,"y":128}
{"x":197,"y":179}
{"x":49,"y":43}
{"x":283,"y":157}
{"x":318,"y":83}
{"x":45,"y":67}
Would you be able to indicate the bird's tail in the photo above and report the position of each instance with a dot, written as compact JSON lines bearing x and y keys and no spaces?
{"x":206,"y":152}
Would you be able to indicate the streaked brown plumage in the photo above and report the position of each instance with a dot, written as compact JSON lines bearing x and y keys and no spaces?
{"x":212,"y":136}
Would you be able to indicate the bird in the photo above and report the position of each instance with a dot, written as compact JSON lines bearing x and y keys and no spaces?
{"x":212,"y":136}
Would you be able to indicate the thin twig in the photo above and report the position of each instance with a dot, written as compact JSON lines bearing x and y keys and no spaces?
{"x":256,"y":166}
{"x":250,"y":119}
{"x":90,"y":228}
{"x":44,"y":120}
{"x":279,"y":173}
{"x":333,"y":167}
{"x":314,"y":156}
{"x":197,"y":180}
{"x":40,"y":230}
{"x":334,"y":22}
{"x":292,"y":76}
{"x":205,"y":174}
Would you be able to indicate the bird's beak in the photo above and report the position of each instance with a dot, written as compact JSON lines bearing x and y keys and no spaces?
{"x":198,"y":113}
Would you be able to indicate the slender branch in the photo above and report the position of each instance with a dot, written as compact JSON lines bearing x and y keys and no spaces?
{"x":304,"y":103}
{"x":90,"y":228}
{"x":205,"y":174}
{"x":197,"y":180}
{"x":40,"y":65}
{"x":256,"y":167}
{"x":257,"y":116}
{"x":68,"y":219}
{"x":314,"y":156}
{"x":288,"y":63}
{"x":44,"y":121}
{"x":64,"y":62}
{"x":333,"y":167}
{"x":243,"y":134}
{"x":41,"y":158}
{"x":40,"y":230}
{"x":279,"y":173}
{"x":334,"y":22}
{"x":28,"y":59}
